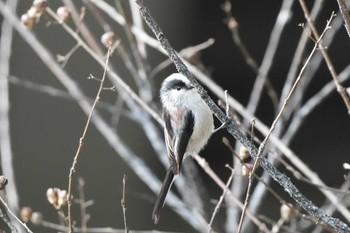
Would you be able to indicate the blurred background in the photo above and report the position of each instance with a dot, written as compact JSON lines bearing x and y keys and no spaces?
{"x":45,"y":129}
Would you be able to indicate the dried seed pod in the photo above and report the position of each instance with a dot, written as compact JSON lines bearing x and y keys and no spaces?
{"x":287,"y":212}
{"x":63,"y":13}
{"x":3,"y":182}
{"x":40,"y":5}
{"x":26,"y":213}
{"x":28,"y":21}
{"x":243,"y":153}
{"x":247,"y":169}
{"x":108,"y":38}
{"x":232,"y":24}
{"x":33,"y":13}
{"x":62,"y":198}
{"x":52,"y":196}
{"x":57,"y":197}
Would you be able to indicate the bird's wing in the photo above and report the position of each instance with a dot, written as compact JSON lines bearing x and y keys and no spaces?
{"x":176,"y":146}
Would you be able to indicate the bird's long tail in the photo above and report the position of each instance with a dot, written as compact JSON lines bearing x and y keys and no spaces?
{"x":168,"y":180}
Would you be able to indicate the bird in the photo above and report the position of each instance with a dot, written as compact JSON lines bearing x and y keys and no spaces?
{"x":188,"y":125}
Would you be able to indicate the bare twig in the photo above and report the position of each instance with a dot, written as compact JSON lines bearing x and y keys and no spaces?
{"x":123,"y":205}
{"x":81,"y":141}
{"x":84,"y":216}
{"x":344,"y":12}
{"x":221,"y":199}
{"x":232,"y":128}
{"x":65,"y":58}
{"x":340,"y":88}
{"x":250,"y":184}
{"x":58,"y":93}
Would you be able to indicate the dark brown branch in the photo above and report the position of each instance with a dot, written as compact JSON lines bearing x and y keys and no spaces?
{"x":233,"y":129}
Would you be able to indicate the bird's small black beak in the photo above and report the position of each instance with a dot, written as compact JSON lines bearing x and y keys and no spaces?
{"x":190,"y":87}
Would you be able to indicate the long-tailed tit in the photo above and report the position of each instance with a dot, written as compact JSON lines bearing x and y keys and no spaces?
{"x":188,"y":126}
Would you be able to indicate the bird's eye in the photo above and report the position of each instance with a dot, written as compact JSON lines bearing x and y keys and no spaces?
{"x":178,"y":88}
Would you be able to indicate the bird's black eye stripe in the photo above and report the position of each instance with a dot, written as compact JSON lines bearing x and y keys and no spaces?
{"x":176,"y":84}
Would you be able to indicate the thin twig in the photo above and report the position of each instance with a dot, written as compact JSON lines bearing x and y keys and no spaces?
{"x":232,"y":128}
{"x":344,"y":12}
{"x":221,"y":199}
{"x":65,"y":58}
{"x":341,"y":90}
{"x":62,"y":94}
{"x":81,"y":141}
{"x":123,"y":204}
{"x":84,"y":217}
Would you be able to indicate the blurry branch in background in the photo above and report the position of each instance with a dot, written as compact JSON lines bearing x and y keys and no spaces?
{"x":6,"y":155}
{"x":233,"y":25}
{"x":269,"y":56}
